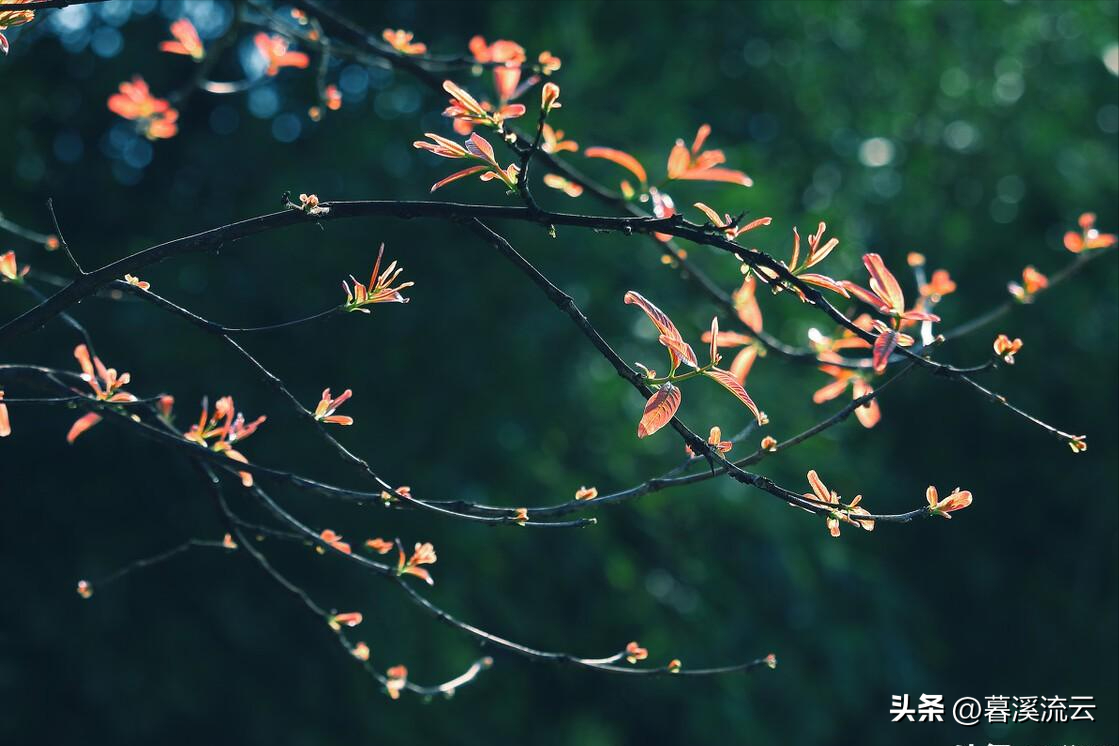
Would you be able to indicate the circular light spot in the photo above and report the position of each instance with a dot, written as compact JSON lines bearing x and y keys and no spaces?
{"x":286,"y":127}
{"x":954,"y":82}
{"x":106,"y":42}
{"x":1110,"y":57}
{"x":1003,"y":212}
{"x":264,"y":102}
{"x":960,"y":135}
{"x":1011,"y":188}
{"x":1009,"y":88}
{"x":876,"y":152}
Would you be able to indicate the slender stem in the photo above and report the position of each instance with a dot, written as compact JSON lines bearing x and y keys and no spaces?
{"x":157,"y":559}
{"x":681,"y":377}
{"x":18,"y":230}
{"x":62,"y":240}
{"x":263,"y":562}
{"x":698,"y":445}
{"x":214,"y":327}
{"x":1070,"y":269}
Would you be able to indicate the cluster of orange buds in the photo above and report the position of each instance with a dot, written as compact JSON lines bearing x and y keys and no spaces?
{"x":663,"y":207}
{"x":360,"y":651}
{"x":1089,"y":237}
{"x":165,"y":405}
{"x":662,"y":405}
{"x":586,"y":493}
{"x":886,"y":296}
{"x":391,"y":497}
{"x":10,"y":270}
{"x":186,"y":41}
{"x":939,"y":285}
{"x":1007,"y":348}
{"x":106,"y":385}
{"x":332,"y":96}
{"x":769,"y":443}
{"x":818,"y":250}
{"x":508,"y":61}
{"x":401,"y":41}
{"x":10,"y":18}
{"x":137,"y":282}
{"x":849,"y":513}
{"x":715,"y":440}
{"x":749,"y":314}
{"x":868,"y":414}
{"x":345,"y":619}
{"x":929,"y":293}
{"x":958,"y":500}
{"x":684,"y":164}
{"x":476,"y":149}
{"x":746,"y":304}
{"x":1032,"y":283}
{"x":467,"y":111}
{"x":549,"y":98}
{"x":1078,"y":443}
{"x":379,"y":545}
{"x":228,"y":542}
{"x":225,"y":427}
{"x":154,"y":117}
{"x":634,"y":652}
{"x":334,"y":540}
{"x":397,"y":680}
{"x":551,"y":141}
{"x":696,"y":164}
{"x":303,"y":19}
{"x":310,"y":204}
{"x":507,"y":58}
{"x":324,"y":412}
{"x":548,"y":62}
{"x":379,"y":290}
{"x":85,"y":589}
{"x":568,"y":187}
{"x":729,"y":226}
{"x":844,"y":339}
{"x":422,"y":554}
{"x":275,"y":51}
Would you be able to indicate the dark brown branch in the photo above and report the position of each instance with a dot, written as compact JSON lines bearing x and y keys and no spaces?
{"x":235,"y":523}
{"x":486,"y":637}
{"x":173,"y":439}
{"x":1006,"y":307}
{"x":566,"y":304}
{"x":157,"y":559}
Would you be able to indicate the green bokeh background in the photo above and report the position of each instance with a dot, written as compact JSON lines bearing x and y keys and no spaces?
{"x":1002,"y":118}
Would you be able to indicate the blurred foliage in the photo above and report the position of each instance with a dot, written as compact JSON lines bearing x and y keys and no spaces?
{"x":973,"y":132}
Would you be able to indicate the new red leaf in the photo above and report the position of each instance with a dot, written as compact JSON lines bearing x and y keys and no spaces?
{"x":659,"y":410}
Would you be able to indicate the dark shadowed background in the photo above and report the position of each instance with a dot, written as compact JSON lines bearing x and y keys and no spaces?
{"x":973,"y":132}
